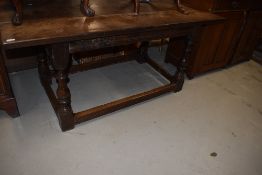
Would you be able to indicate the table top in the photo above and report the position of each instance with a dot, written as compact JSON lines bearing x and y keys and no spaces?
{"x":45,"y":9}
{"x":111,"y":19}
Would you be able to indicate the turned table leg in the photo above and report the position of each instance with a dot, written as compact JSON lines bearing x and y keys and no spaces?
{"x":181,"y":68}
{"x":86,"y":9}
{"x":61,"y":62}
{"x":18,"y":16}
{"x":7,"y":99}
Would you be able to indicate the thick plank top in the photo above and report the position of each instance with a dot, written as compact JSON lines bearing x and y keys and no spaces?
{"x":64,"y":29}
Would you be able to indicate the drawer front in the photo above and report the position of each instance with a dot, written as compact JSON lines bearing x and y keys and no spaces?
{"x":221,"y":5}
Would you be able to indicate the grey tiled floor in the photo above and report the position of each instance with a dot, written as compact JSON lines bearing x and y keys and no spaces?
{"x":173,"y":134}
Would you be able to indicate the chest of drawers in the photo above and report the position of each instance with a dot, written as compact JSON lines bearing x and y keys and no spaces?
{"x":230,"y":42}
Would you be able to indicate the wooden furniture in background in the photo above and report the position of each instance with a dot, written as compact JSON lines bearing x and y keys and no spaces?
{"x":229,"y":42}
{"x":250,"y":37}
{"x":7,"y":100}
{"x":257,"y":55}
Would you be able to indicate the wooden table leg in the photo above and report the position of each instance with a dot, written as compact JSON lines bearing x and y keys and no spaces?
{"x":7,"y":99}
{"x":61,"y":62}
{"x":18,"y":16}
{"x":86,"y":9}
{"x":9,"y":105}
{"x":43,"y":67}
{"x":181,"y":68}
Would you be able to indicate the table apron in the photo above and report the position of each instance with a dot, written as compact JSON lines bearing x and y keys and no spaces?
{"x":119,"y":40}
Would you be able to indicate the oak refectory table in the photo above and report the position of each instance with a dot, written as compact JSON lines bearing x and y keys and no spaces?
{"x":60,"y":38}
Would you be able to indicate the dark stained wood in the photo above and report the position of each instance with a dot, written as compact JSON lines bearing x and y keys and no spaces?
{"x":43,"y":67}
{"x":175,"y":50}
{"x":175,"y":85}
{"x":217,"y":44}
{"x":70,"y":8}
{"x":225,"y":43}
{"x":86,"y":9}
{"x":60,"y":61}
{"x":118,"y":104}
{"x":223,"y":5}
{"x":21,"y":63}
{"x":159,"y":69}
{"x":91,"y":28}
{"x":61,"y":38}
{"x":143,"y":52}
{"x":62,"y":103}
{"x":249,"y":38}
{"x":18,"y":15}
{"x":9,"y":105}
{"x":7,"y":100}
{"x":182,"y":65}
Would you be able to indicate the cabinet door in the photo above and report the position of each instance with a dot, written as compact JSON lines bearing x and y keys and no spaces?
{"x":249,"y":38}
{"x":217,"y":43}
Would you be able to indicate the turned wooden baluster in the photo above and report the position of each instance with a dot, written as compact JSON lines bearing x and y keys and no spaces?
{"x":61,"y":62}
{"x":18,"y":16}
{"x":181,"y":68}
